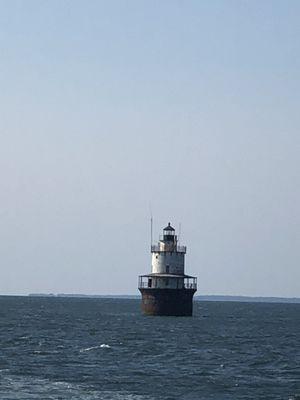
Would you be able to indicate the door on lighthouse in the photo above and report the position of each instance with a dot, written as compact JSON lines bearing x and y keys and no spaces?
{"x":149,"y":282}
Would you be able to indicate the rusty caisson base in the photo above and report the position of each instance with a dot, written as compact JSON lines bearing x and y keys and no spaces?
{"x":168,"y":302}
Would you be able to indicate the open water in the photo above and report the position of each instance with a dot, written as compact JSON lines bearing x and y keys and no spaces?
{"x":71,"y":348}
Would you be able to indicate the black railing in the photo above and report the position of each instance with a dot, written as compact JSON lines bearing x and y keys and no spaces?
{"x":144,"y":285}
{"x":157,"y":282}
{"x":190,"y":285}
{"x":169,"y":248}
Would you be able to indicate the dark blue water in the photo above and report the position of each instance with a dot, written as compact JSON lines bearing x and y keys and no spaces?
{"x":55,"y":348}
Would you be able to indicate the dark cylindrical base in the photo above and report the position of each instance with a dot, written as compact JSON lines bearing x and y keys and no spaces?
{"x":175,"y":302}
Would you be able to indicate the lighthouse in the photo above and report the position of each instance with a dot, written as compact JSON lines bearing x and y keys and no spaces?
{"x":167,"y":290}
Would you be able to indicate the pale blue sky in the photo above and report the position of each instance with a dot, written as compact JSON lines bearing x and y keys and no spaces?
{"x":109,"y":106}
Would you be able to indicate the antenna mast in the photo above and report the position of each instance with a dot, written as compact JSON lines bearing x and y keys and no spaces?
{"x":179,"y":232}
{"x":151,"y":231}
{"x":151,"y":227}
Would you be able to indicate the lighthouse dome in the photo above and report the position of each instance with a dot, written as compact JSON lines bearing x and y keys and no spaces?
{"x":169,"y":228}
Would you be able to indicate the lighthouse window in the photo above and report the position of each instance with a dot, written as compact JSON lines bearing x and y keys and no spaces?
{"x":167,"y":269}
{"x":167,"y":282}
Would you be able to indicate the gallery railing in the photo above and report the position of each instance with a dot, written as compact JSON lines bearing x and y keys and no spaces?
{"x":158,"y":282}
{"x":170,"y":248}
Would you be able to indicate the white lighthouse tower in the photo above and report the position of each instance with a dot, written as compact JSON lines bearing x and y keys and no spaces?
{"x":167,"y":290}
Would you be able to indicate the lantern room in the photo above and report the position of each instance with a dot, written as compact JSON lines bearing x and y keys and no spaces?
{"x":169,"y":233}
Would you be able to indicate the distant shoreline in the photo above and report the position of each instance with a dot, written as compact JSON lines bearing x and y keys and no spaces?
{"x":248,"y":299}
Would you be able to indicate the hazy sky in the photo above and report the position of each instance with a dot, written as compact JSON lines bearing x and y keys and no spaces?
{"x":107,"y":107}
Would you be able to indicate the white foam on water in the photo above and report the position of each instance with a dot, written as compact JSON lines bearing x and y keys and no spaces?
{"x":101,"y":346}
{"x":24,"y":388}
{"x":4,"y":370}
